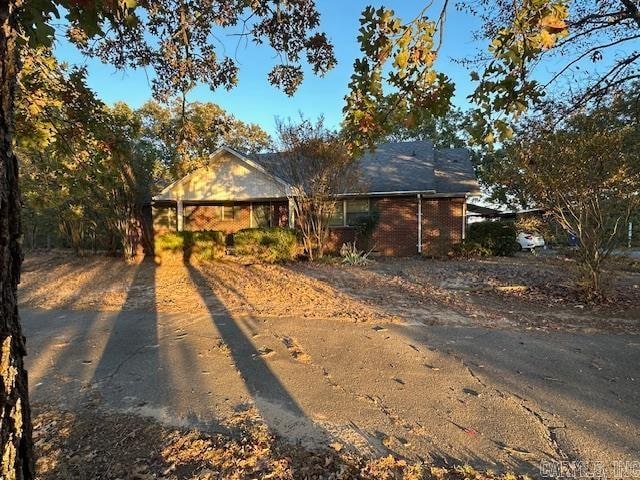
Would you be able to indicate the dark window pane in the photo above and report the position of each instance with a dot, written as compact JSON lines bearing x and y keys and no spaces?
{"x":165,"y":217}
{"x":360,"y":205}
{"x":337,"y":219}
{"x":357,"y":211}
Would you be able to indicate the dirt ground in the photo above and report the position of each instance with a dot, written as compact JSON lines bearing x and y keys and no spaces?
{"x":521,"y":292}
{"x":482,"y":361}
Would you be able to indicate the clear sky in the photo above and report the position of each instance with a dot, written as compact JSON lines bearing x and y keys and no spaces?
{"x":255,"y":100}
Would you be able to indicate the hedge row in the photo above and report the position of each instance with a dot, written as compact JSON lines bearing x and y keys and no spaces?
{"x":203,"y":245}
{"x":266,"y":244}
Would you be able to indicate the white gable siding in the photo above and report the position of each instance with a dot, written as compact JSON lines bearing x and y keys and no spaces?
{"x":228,"y":178}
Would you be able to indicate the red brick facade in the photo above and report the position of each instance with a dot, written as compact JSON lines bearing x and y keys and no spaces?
{"x":339,"y":236}
{"x":395,"y":232}
{"x":210,"y":217}
{"x":442,"y":224}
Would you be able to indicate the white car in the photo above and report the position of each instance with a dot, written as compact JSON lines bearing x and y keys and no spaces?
{"x":530,"y":241}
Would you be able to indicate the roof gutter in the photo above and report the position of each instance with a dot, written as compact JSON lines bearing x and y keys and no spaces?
{"x":390,"y":193}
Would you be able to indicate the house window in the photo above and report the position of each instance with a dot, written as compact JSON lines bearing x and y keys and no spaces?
{"x":357,"y":211}
{"x":337,"y":218}
{"x":228,"y":212}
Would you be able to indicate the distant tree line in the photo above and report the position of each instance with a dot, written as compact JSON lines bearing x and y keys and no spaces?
{"x":88,"y":169}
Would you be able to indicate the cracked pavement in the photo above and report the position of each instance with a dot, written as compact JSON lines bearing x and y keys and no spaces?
{"x":491,"y":398}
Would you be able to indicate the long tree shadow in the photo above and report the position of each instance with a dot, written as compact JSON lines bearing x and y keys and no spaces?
{"x":132,"y":348}
{"x":130,"y":353}
{"x":275,"y":404}
{"x":135,"y":362}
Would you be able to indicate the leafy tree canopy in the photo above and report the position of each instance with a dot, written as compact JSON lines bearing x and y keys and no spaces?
{"x":396,"y":80}
{"x":177,"y":38}
{"x":87,"y":168}
{"x":446,"y":131}
{"x":585,"y":150}
{"x":186,"y":134}
{"x":584,"y":171}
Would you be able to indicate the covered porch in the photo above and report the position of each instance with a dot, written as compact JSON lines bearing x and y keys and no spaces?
{"x":227,"y":216}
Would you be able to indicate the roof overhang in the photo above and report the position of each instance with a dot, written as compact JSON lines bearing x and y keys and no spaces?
{"x":172,"y":202}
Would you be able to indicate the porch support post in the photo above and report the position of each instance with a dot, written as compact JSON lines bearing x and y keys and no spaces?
{"x":292,"y":219}
{"x":180,"y":212}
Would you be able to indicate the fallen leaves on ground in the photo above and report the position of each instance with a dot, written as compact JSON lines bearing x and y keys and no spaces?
{"x":92,"y":444}
{"x":519,"y":292}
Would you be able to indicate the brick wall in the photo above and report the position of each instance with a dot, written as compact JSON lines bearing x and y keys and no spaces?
{"x":396,"y":233}
{"x":441,"y":224}
{"x":207,"y":217}
{"x":339,"y":236}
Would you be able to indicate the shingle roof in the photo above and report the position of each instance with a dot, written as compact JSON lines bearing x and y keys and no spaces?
{"x":404,"y":167}
{"x":454,"y":172}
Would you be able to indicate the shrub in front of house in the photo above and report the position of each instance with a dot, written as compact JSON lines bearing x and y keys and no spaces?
{"x":467,"y":249}
{"x":202,"y":245}
{"x":497,"y":237}
{"x":169,"y":243}
{"x":275,"y":244}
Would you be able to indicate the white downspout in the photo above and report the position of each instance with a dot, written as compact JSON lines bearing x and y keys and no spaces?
{"x":180,"y":214}
{"x":344,"y":213}
{"x":464,"y":218}
{"x":419,"y":223}
{"x":250,"y":214}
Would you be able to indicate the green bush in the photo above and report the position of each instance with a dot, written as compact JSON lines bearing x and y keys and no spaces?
{"x":203,"y":245}
{"x":267,"y":244}
{"x":497,"y":237}
{"x":169,"y":243}
{"x":469,"y":249}
{"x":505,"y":247}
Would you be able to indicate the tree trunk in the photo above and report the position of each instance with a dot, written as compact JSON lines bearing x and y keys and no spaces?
{"x":15,"y":421}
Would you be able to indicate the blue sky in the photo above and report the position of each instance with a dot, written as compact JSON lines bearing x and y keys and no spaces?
{"x":255,"y":100}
